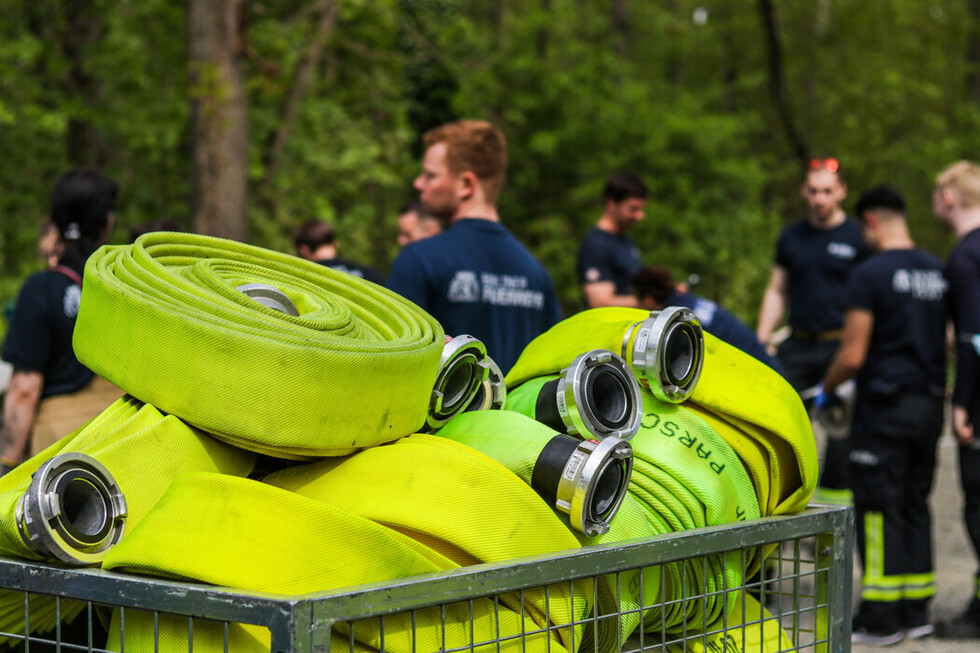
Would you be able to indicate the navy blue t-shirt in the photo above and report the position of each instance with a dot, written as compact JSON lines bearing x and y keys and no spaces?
{"x":906,"y":292}
{"x":817,"y":263}
{"x":724,"y":325}
{"x":963,"y":272}
{"x":477,"y":279}
{"x":604,"y":256}
{"x":355,"y":269}
{"x":39,"y":337}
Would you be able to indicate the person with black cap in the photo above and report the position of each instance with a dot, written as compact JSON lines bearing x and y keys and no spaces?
{"x":51,"y":392}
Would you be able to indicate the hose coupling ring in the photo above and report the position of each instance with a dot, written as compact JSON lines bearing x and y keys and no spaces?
{"x":597,"y":395}
{"x":667,"y":352}
{"x":585,"y":479}
{"x":73,"y":510}
{"x":492,"y":393}
{"x":463,"y":368}
{"x":270,"y":297}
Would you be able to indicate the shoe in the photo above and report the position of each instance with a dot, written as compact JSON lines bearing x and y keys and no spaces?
{"x":918,"y":632}
{"x":871,"y":638}
{"x":964,"y":626}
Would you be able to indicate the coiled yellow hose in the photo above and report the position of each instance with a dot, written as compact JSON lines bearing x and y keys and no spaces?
{"x":164,"y":320}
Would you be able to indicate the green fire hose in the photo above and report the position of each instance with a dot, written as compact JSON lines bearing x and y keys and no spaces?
{"x":143,"y":450}
{"x":251,"y":535}
{"x":744,"y":400}
{"x":203,"y":327}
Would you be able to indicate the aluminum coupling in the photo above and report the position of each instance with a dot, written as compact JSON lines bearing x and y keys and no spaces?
{"x":492,"y":393}
{"x":585,"y":479}
{"x":73,"y":510}
{"x":270,"y":297}
{"x":667,"y":352}
{"x":597,"y":396}
{"x":463,"y":369}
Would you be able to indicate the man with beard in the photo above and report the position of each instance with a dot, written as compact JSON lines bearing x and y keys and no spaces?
{"x":475,"y":278}
{"x":607,"y":258}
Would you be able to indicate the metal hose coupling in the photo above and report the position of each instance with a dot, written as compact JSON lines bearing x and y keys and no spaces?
{"x":667,"y":352}
{"x":72,"y":511}
{"x":597,"y":395}
{"x":463,"y":368}
{"x":270,"y":297}
{"x":585,"y":479}
{"x":492,"y":393}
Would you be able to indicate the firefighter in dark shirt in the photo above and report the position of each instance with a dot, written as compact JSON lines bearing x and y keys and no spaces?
{"x":51,"y":392}
{"x":607,"y":258}
{"x":813,"y":259}
{"x":894,"y":342}
{"x":316,"y":240}
{"x":956,"y":203}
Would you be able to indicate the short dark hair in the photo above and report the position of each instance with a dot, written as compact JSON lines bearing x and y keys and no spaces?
{"x":623,"y":185}
{"x":653,"y":281}
{"x":314,"y":234}
{"x":413,"y":206}
{"x":881,"y":196}
{"x":80,"y":204}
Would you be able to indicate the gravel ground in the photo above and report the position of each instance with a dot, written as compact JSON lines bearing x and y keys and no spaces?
{"x":955,"y":562}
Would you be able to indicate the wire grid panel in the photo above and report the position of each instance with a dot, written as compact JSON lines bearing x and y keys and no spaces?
{"x":687,"y":591}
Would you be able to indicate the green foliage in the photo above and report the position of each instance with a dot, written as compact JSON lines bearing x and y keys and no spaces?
{"x":678,"y":92}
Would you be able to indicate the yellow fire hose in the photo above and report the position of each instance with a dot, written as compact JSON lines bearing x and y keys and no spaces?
{"x":144,"y":451}
{"x":455,"y":500}
{"x":745,"y":401}
{"x":203,"y":328}
{"x":254,"y":536}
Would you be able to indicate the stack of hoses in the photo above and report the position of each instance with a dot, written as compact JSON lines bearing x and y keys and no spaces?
{"x":130,"y":448}
{"x":728,"y":454}
{"x":201,"y":327}
{"x":753,"y":408}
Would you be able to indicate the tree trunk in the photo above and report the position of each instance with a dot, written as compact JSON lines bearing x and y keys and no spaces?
{"x":973,"y":53}
{"x":777,"y":90}
{"x":83,"y":27}
{"x":219,"y":123}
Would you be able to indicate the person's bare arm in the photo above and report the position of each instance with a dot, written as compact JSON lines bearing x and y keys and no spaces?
{"x":19,"y":408}
{"x":858,"y":324}
{"x":603,"y":293}
{"x":773,"y":304}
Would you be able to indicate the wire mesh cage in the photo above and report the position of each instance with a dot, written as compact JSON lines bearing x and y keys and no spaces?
{"x":769,"y":585}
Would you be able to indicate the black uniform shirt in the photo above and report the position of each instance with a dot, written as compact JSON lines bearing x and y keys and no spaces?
{"x":604,"y":256}
{"x":963,"y":272}
{"x":905,"y":290}
{"x":39,"y":337}
{"x":817,"y":263}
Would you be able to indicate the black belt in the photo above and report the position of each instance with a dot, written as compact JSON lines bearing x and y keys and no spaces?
{"x":816,"y":336}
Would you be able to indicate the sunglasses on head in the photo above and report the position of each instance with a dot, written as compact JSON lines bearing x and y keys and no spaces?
{"x":825,"y":164}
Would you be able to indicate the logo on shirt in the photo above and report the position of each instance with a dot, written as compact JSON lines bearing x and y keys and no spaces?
{"x":925,"y":285}
{"x":705,"y":310}
{"x":592,"y":275}
{"x":496,"y":289}
{"x":841,"y":250}
{"x":71,"y":300}
{"x":464,"y":288}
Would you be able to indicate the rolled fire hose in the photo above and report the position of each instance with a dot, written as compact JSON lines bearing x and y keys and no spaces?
{"x":248,"y":535}
{"x":517,"y":442}
{"x":178,"y":321}
{"x":596,"y":396}
{"x":748,"y":627}
{"x":475,"y":511}
{"x":143,"y":450}
{"x":744,"y":400}
{"x":664,"y":348}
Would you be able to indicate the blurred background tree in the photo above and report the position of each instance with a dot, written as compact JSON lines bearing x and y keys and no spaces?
{"x":242,"y":118}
